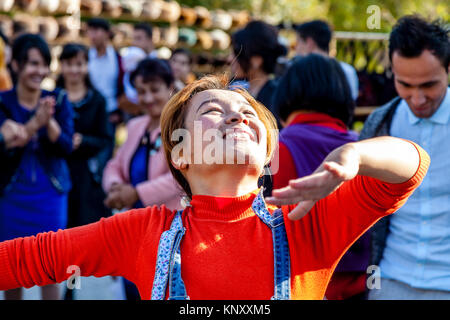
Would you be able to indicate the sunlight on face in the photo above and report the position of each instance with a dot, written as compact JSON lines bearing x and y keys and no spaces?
{"x":222,"y":128}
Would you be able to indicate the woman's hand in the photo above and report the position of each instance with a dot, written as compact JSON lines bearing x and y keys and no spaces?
{"x":77,"y":138}
{"x":14,"y":134}
{"x":340,"y":165}
{"x":42,"y":116}
{"x":45,"y":110}
{"x":121,"y":196}
{"x":128,"y":195}
{"x":113,"y":200}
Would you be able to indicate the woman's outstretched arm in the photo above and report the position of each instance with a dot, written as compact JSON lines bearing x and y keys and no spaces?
{"x":387,"y":159}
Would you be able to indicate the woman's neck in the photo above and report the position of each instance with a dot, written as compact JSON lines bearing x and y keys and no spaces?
{"x":153,"y":124}
{"x":75,"y":90}
{"x":223,"y":182}
{"x":28,"y":98}
{"x":257,"y":82}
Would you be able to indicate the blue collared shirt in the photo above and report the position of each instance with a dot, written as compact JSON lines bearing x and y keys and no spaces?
{"x":418,"y":246}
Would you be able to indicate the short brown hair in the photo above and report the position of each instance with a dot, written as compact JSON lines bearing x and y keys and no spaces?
{"x":174,"y":114}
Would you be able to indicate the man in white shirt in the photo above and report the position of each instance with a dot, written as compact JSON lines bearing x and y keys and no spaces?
{"x":105,"y":64}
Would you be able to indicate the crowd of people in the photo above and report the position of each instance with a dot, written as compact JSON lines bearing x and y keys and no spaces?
{"x":69,"y":196}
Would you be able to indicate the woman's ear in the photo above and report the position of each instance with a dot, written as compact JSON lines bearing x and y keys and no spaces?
{"x":179,"y":163}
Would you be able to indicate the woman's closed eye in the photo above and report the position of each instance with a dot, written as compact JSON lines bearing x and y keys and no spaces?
{"x":249,"y":112}
{"x":212,"y":110}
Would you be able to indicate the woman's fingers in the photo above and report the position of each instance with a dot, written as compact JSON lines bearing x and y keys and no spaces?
{"x":284,"y":201}
{"x":301,"y":210}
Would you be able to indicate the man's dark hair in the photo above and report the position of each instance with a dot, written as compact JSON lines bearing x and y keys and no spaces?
{"x":151,"y":69}
{"x":412,"y":35}
{"x":99,"y":23}
{"x":318,"y":30}
{"x":184,"y":51}
{"x":69,"y":51}
{"x":317,"y":83}
{"x":257,"y":39}
{"x":147,"y":28}
{"x":24,"y":43}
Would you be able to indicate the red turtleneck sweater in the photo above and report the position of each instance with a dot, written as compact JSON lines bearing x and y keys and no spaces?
{"x":226,"y":252}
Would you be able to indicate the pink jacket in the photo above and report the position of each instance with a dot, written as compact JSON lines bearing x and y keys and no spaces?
{"x":161,"y":187}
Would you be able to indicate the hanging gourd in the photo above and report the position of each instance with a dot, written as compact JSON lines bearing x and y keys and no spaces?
{"x":203,"y":17}
{"x":221,"y":19}
{"x":170,"y":11}
{"x":65,"y":5}
{"x":48,"y":6}
{"x":91,"y":7}
{"x":169,"y":36}
{"x":66,"y":30}
{"x":111,"y":8}
{"x":187,"y":37}
{"x":28,"y":23}
{"x":188,"y":16}
{"x":6,"y":5}
{"x":131,"y":8}
{"x":48,"y":27}
{"x":204,"y":39}
{"x":152,"y":9}
{"x":27,"y":5}
{"x":221,"y":39}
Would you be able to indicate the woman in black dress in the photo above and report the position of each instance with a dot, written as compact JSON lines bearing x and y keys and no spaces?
{"x":256,"y":50}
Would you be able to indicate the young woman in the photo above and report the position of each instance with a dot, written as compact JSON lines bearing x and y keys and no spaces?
{"x":180,"y":62}
{"x":222,"y":245}
{"x":92,"y":133}
{"x":138,"y":175}
{"x":255,"y":52}
{"x":35,"y":179}
{"x":314,"y":102}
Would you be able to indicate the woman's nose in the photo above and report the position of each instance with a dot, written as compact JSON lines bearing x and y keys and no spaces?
{"x":148,"y":98}
{"x":237,"y":117}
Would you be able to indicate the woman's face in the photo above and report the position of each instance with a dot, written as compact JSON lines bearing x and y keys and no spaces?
{"x":31,"y":74}
{"x":225,"y":129}
{"x":152,"y":95}
{"x":180,"y":66}
{"x":74,"y":70}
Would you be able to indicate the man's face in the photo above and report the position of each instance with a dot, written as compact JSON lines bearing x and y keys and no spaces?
{"x":98,"y":37}
{"x":142,"y":40}
{"x":422,"y":81}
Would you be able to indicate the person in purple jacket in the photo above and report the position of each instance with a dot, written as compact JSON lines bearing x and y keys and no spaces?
{"x":314,"y":103}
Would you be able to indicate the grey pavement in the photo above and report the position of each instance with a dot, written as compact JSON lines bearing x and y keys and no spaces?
{"x":91,"y":288}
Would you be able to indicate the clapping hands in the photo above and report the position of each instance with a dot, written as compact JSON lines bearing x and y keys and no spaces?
{"x":121,"y":196}
{"x":14,"y":134}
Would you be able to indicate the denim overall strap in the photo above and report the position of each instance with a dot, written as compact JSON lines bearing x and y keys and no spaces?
{"x":282,"y":259}
{"x":168,"y":263}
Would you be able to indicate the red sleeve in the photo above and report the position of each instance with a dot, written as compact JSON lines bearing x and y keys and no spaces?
{"x":337,"y":221}
{"x":107,"y":247}
{"x":286,"y":168}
